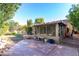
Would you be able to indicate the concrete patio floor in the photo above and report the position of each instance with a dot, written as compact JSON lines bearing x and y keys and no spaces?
{"x":38,"y":48}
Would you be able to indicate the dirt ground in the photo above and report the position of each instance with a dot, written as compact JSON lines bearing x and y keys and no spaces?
{"x":6,"y":42}
{"x":38,"y":48}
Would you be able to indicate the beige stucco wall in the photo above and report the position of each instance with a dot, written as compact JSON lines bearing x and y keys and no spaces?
{"x":70,"y":27}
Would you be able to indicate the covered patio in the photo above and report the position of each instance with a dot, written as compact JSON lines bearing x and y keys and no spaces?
{"x":51,"y":30}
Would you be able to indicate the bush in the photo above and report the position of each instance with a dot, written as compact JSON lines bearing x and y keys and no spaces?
{"x":9,"y":33}
{"x":13,"y":33}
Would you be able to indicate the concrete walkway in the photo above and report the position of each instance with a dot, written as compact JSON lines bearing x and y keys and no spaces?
{"x":38,"y":48}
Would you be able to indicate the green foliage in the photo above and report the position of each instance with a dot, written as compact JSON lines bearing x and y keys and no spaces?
{"x":14,"y":33}
{"x":8,"y":33}
{"x":29,"y":26}
{"x":13,"y":25}
{"x":7,"y":12}
{"x":4,"y":29}
{"x":39,"y":20}
{"x":73,"y":16}
{"x":24,"y":27}
{"x":29,"y":23}
{"x":29,"y":30}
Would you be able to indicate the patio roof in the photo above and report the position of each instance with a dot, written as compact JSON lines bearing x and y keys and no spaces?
{"x":64,"y":22}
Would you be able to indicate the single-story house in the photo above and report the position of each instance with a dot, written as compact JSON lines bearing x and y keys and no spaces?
{"x":52,"y":30}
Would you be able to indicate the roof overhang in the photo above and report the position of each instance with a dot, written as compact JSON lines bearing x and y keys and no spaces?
{"x":61,"y":22}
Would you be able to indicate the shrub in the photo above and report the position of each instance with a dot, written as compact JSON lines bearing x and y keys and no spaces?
{"x":13,"y":33}
{"x":9,"y":33}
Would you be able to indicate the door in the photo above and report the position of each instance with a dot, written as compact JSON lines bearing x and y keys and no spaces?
{"x":62,"y":31}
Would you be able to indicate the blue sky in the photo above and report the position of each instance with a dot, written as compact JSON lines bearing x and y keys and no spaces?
{"x":49,"y":11}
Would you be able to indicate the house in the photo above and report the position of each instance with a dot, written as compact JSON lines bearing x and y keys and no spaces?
{"x":55,"y":30}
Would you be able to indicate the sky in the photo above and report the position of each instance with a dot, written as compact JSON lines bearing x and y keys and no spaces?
{"x":48,"y":11}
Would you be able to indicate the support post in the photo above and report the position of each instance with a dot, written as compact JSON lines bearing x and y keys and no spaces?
{"x":57,"y":32}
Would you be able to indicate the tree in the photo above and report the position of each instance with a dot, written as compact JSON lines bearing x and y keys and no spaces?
{"x":22,"y":29}
{"x":7,"y":11}
{"x":29,"y":26}
{"x":4,"y":29}
{"x":39,"y":20}
{"x":73,"y":16}
{"x":29,"y":23}
{"x":13,"y":25}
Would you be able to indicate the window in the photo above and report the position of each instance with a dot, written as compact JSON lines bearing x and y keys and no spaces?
{"x":42,"y":30}
{"x":51,"y":29}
